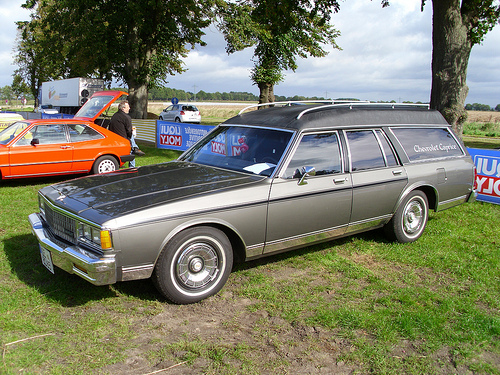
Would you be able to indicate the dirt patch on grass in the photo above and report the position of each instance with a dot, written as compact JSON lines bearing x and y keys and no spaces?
{"x":223,"y":335}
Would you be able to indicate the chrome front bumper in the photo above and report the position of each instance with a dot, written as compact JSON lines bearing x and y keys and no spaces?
{"x":73,"y":259}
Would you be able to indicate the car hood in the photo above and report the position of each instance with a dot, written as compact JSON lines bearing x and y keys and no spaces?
{"x":108,"y":196}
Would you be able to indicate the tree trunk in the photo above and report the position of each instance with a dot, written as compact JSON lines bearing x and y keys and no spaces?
{"x":138,"y":100}
{"x":450,"y":57}
{"x":266,"y":93}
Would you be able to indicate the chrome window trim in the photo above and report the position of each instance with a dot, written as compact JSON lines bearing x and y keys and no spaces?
{"x":295,"y":141}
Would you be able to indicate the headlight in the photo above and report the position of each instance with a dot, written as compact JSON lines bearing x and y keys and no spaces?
{"x":41,"y":205}
{"x":96,"y":236}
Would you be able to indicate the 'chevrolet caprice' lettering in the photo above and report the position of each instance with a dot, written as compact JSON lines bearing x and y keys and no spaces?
{"x":432,"y":148}
{"x":262,"y":182}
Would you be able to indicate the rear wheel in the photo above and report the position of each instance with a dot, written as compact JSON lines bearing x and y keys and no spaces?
{"x":410,"y":219}
{"x":194,"y":265}
{"x":105,"y":164}
{"x":177,"y":119}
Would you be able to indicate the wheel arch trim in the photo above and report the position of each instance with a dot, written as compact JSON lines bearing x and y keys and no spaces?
{"x":429,"y":190}
{"x":237,"y":242}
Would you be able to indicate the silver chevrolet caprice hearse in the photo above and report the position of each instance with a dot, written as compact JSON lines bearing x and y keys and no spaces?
{"x":263,"y":182}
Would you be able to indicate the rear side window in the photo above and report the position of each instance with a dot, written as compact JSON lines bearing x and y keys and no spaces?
{"x":366,"y":152}
{"x":81,"y":132}
{"x":427,"y":143}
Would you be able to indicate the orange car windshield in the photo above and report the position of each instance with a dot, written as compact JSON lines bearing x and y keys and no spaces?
{"x":11,"y":132}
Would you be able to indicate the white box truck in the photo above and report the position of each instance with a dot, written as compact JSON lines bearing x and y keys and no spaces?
{"x":68,"y":95}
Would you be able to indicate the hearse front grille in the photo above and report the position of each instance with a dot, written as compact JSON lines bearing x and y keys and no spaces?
{"x":60,"y":224}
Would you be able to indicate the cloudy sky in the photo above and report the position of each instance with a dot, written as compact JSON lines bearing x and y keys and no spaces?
{"x":386,"y":55}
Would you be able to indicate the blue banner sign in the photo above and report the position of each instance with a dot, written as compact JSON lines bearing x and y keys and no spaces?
{"x":488,"y":174}
{"x":179,"y":136}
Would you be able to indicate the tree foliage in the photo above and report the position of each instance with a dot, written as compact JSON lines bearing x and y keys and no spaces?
{"x":457,"y":27}
{"x":477,"y":107}
{"x":281,"y":32}
{"x":138,"y":42}
{"x":35,"y":64}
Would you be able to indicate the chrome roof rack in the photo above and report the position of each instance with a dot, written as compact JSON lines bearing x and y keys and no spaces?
{"x":298,"y":102}
{"x":328,"y":103}
{"x":351,"y":104}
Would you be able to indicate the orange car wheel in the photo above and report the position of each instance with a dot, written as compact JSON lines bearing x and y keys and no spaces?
{"x":105,"y":164}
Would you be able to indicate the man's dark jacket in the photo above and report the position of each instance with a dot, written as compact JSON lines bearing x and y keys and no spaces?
{"x":121,"y":124}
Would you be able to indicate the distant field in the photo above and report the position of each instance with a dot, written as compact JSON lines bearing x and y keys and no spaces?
{"x":481,"y":116}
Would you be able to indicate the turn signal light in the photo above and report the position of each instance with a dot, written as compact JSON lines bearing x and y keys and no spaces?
{"x":106,"y":239}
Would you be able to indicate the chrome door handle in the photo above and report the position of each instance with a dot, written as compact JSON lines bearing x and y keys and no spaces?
{"x":399,"y":171}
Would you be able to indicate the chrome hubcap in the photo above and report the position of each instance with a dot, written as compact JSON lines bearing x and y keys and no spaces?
{"x":197,"y":266}
{"x":413,"y":217}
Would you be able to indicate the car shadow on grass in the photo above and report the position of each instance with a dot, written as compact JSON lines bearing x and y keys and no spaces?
{"x":34,"y":181}
{"x":376,"y":235}
{"x":22,"y":253}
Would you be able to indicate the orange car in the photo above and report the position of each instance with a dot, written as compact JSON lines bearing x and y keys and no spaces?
{"x":32,"y":148}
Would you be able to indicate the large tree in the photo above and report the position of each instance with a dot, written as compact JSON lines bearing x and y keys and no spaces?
{"x":139,"y":42}
{"x":281,"y":32}
{"x":457,"y":26}
{"x":34,"y":65}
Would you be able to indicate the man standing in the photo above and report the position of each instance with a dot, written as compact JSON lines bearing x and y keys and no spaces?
{"x":121,"y":124}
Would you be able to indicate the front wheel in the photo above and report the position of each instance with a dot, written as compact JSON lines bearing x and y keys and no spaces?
{"x":410,"y":219}
{"x":194,"y":265}
{"x":105,"y":164}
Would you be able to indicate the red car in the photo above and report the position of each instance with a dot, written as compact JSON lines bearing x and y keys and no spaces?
{"x":33,"y":148}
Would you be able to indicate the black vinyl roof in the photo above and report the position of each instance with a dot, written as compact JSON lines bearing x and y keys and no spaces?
{"x":302,"y":117}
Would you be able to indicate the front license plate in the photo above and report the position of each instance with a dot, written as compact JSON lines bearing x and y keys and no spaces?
{"x":47,"y":259}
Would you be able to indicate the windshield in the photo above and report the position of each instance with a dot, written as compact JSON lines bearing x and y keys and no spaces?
{"x":11,"y":132}
{"x":243,"y":149}
{"x":94,"y":105}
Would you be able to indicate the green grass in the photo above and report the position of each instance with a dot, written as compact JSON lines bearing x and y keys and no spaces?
{"x":368,"y":305}
{"x":482,"y":135}
{"x":481,"y":142}
{"x":483,"y":129}
{"x":441,"y":292}
{"x":154,"y":155}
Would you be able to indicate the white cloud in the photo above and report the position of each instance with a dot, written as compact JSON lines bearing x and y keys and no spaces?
{"x":10,"y":12}
{"x":386,"y":55}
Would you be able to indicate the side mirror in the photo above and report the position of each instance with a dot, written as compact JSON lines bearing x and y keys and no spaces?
{"x":306,"y":172}
{"x":35,"y":141}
